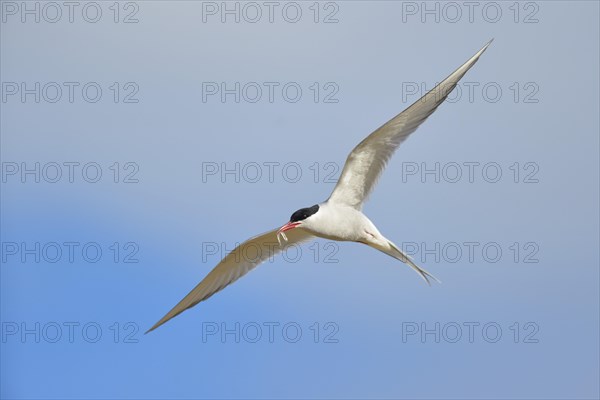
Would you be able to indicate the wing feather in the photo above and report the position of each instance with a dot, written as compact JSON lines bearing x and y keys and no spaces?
{"x":368,"y":159}
{"x":236,"y":264}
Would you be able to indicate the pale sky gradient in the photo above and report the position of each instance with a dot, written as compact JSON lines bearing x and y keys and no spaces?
{"x":532,"y":114}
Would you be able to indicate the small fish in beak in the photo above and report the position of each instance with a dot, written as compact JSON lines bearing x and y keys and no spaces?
{"x":286,"y":227}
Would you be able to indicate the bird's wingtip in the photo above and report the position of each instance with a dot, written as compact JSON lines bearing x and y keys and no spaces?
{"x":156,"y":325}
{"x":485,"y":46}
{"x":473,"y":59}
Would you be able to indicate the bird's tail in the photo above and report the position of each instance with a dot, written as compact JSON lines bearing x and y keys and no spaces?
{"x":393,"y":251}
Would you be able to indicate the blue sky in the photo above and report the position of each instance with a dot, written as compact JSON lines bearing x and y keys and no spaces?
{"x":161,"y":140}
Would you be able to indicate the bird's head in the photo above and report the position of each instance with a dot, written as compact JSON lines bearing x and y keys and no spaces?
{"x":299,"y":218}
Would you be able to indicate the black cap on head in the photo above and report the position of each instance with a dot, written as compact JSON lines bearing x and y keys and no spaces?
{"x":304,"y":213}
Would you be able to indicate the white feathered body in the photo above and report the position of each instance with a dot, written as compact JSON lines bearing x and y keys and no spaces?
{"x":343,"y":223}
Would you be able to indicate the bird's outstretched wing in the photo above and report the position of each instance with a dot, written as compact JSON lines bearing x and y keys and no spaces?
{"x":236,"y":264}
{"x":367,"y":160}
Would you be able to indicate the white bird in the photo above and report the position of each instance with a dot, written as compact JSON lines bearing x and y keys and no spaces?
{"x":339,"y":217}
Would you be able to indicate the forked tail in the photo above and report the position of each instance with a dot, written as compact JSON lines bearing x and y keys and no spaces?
{"x":398,"y":254}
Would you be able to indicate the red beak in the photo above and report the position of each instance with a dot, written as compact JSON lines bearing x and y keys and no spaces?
{"x":288,"y":226}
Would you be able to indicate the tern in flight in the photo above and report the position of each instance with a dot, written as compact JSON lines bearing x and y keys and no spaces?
{"x":340,"y":216}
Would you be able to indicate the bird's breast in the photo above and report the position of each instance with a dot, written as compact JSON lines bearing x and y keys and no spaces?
{"x":342,"y":224}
